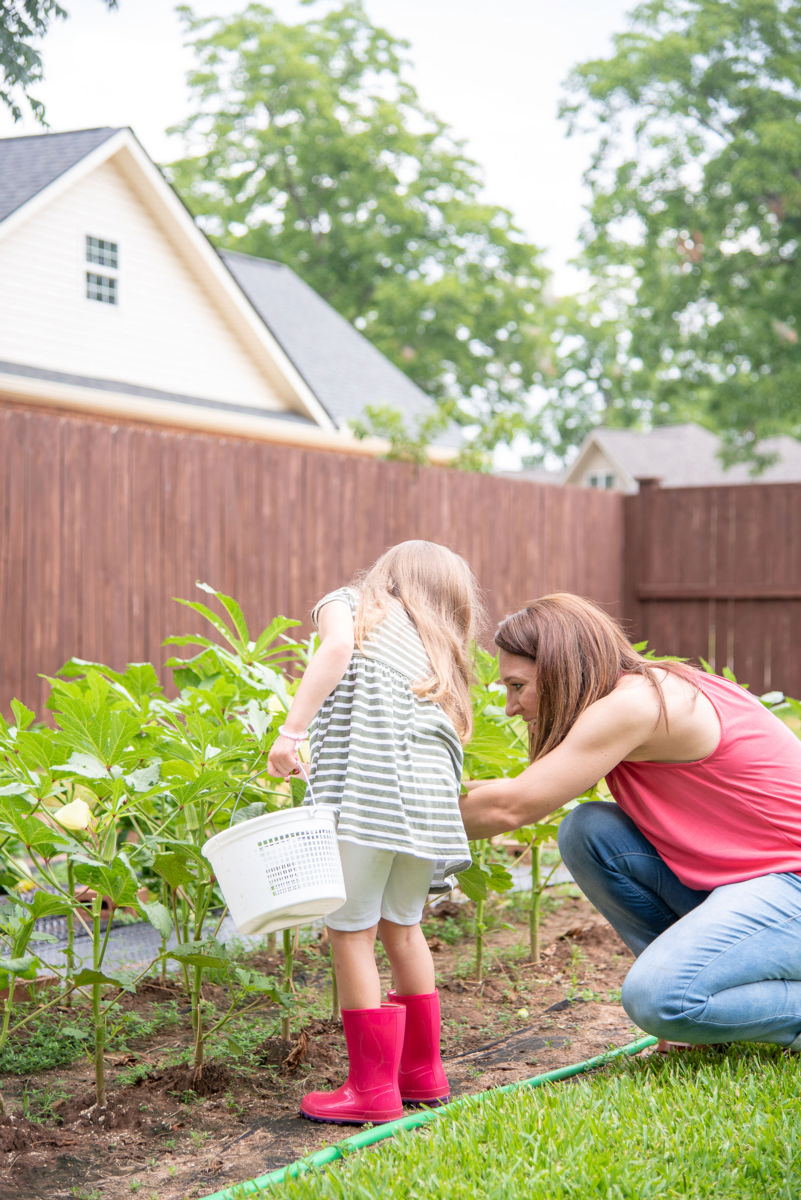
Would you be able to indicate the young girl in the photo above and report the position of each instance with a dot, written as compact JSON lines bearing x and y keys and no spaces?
{"x":388,"y":696}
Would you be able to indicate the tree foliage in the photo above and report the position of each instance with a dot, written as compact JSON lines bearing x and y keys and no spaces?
{"x":22,"y":23}
{"x":695,"y":220}
{"x":308,"y":145}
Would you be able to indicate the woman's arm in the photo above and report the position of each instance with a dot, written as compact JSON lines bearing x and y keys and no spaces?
{"x":326,"y":668}
{"x":606,"y":733}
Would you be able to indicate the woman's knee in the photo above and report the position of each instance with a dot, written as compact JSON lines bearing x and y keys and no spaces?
{"x":657,"y":1009}
{"x":582,"y":829}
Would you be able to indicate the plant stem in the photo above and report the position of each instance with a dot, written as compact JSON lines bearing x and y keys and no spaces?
{"x":98,"y":1018}
{"x":70,"y":951}
{"x":536,"y":902}
{"x":289,"y":963}
{"x":197,"y":1020}
{"x":479,"y":935}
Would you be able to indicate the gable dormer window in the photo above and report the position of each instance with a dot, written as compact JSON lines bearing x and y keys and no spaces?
{"x":102,"y":253}
{"x":99,"y":251}
{"x":101,"y":287}
{"x":601,"y":479}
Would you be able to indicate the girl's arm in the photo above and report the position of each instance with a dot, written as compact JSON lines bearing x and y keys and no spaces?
{"x":326,"y":668}
{"x":603,"y":736}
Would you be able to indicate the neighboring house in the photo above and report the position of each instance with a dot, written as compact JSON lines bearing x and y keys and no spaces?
{"x":112,"y":300}
{"x":672,"y":456}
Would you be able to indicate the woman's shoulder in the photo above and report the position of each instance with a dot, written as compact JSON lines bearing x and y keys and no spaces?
{"x":685,"y":728}
{"x":634,"y":698}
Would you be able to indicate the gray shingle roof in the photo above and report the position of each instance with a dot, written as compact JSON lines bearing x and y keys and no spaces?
{"x":687,"y":456}
{"x":343,"y":369}
{"x":147,"y":393}
{"x":29,"y":164}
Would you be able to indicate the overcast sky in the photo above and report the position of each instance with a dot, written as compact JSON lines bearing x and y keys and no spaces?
{"x":491,"y":69}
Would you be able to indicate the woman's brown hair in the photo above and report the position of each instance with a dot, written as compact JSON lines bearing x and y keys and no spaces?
{"x":580,"y":653}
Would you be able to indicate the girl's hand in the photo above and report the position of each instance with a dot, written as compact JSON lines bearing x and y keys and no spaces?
{"x":283,"y":758}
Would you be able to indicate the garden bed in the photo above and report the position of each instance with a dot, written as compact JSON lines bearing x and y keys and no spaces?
{"x":164,"y":1135}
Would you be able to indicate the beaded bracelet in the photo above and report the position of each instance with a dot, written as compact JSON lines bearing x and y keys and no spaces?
{"x":297,"y":738}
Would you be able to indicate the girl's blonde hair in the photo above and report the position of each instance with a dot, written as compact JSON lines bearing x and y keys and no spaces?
{"x":443,"y":600}
{"x":580,"y":654}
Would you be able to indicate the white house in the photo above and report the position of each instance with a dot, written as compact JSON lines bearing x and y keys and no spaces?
{"x":113,"y":301}
{"x":674,"y":456}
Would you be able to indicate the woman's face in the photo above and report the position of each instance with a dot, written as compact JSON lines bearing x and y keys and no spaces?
{"x":519,"y":676}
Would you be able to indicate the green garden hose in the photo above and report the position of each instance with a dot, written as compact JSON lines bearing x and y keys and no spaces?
{"x":377,"y":1133}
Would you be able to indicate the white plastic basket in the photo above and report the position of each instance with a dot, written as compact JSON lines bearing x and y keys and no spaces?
{"x":280,"y":869}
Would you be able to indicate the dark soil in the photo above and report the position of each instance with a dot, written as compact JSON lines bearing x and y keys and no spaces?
{"x":170,"y":1136}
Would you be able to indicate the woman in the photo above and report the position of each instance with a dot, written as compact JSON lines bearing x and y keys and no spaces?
{"x":697,"y":863}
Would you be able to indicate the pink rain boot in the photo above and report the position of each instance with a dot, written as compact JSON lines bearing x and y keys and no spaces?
{"x":374,"y":1038}
{"x":421,"y":1077}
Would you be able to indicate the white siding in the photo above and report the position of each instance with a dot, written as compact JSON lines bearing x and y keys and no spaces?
{"x":164,"y":333}
{"x":594,"y":461}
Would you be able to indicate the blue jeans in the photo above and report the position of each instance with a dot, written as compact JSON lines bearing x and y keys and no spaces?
{"x":719,"y":966}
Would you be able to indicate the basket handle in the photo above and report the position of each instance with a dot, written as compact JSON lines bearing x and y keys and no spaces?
{"x":305,"y":774}
{"x":301,"y":771}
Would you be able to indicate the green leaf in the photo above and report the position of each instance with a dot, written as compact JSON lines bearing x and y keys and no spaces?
{"x":17,"y":966}
{"x":115,"y":880}
{"x":173,"y":869}
{"x":474,"y":883}
{"x":189,"y":639}
{"x":272,"y":633}
{"x":143,"y":779}
{"x":234,"y":611}
{"x":32,"y":832}
{"x":499,"y":878}
{"x":88,"y":976}
{"x":159,"y":917}
{"x":22,"y":715}
{"x":200,"y":954}
{"x":88,"y":766}
{"x":213,"y":619}
{"x":44,"y":904}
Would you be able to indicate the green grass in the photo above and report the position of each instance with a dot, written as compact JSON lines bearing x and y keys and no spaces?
{"x":705,"y":1124}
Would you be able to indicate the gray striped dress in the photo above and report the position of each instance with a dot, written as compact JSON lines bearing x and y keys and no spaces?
{"x":391,"y":762}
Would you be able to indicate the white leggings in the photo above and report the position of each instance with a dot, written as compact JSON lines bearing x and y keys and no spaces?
{"x":380,"y":884}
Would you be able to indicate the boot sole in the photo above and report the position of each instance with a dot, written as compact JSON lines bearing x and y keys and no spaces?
{"x":373,"y":1120}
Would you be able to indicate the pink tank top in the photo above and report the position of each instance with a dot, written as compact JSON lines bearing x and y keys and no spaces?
{"x":731,"y":816}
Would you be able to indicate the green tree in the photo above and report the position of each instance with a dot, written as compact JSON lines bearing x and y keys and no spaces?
{"x":308,"y":145}
{"x":695,"y":221}
{"x":22,"y":23}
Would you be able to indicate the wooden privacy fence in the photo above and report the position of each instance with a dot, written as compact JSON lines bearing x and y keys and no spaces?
{"x":716,"y":572}
{"x":102,"y":524}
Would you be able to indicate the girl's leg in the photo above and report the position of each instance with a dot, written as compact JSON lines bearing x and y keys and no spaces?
{"x":405,"y":894}
{"x":409,"y":957}
{"x":421,"y":1075}
{"x":729,"y":971}
{"x":352,"y":927}
{"x":358,"y":983}
{"x":622,"y":874}
{"x":373,"y":1032}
